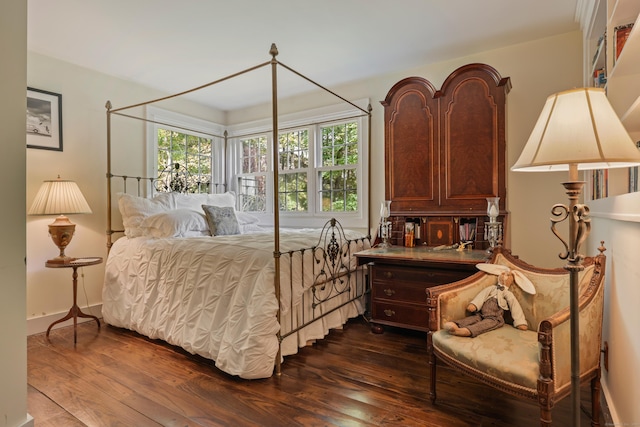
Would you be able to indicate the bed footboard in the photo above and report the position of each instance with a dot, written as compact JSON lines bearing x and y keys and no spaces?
{"x":335,"y":282}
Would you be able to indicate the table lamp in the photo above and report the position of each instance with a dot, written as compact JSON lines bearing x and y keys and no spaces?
{"x":577,"y":130}
{"x":60,"y":197}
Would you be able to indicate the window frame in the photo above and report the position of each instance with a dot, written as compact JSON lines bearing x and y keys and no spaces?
{"x":159,"y":118}
{"x":312,"y":119}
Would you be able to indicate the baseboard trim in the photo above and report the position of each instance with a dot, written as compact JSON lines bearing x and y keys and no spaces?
{"x":28,"y":422}
{"x":38,"y":325}
{"x":611,"y":409}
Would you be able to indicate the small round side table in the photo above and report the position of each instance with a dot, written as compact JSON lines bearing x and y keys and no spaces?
{"x":75,"y":311}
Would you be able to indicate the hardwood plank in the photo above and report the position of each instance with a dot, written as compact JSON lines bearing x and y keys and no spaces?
{"x":48,"y":412}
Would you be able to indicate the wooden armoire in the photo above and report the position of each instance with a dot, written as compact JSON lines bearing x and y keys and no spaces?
{"x":445,"y":154}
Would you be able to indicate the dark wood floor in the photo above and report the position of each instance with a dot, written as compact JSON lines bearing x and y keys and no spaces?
{"x":352,"y":378}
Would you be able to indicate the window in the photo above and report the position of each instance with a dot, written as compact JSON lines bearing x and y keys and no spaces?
{"x":191,"y":152}
{"x":320,"y":170}
{"x":293,"y":153}
{"x":321,"y":173}
{"x":191,"y":143}
{"x":338,"y":174}
{"x":252,"y":179}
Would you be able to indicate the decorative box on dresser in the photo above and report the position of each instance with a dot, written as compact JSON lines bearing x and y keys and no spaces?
{"x":445,"y":154}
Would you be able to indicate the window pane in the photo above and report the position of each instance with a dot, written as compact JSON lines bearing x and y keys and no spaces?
{"x":339,"y":190}
{"x":254,"y":155}
{"x":163,"y":139}
{"x":292,"y":192}
{"x":340,"y":144}
{"x":351,"y":201}
{"x":293,"y":148}
{"x":252,"y":193}
{"x":339,"y":151}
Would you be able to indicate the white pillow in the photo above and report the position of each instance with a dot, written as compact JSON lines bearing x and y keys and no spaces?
{"x":135,"y":209}
{"x":245,"y":218}
{"x":195,"y":201}
{"x":176,"y":223}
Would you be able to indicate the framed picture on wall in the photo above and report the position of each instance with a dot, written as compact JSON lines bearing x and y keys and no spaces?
{"x":44,"y":120}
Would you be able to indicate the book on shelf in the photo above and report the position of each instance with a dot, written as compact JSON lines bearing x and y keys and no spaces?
{"x":600,"y":49}
{"x":600,"y":184}
{"x":599,"y":78}
{"x":621,"y":34}
{"x":633,"y":179}
{"x":467,"y":230}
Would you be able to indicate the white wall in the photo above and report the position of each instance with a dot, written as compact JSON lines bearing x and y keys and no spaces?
{"x":13,"y":350}
{"x":616,"y":221}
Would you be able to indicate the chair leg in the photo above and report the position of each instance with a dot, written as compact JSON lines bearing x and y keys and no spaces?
{"x":432,"y":390}
{"x":545,"y":417}
{"x":432,"y":365}
{"x":544,"y":400}
{"x":595,"y":401}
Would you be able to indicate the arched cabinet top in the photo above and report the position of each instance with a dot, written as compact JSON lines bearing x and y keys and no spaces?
{"x":477,"y":70}
{"x":417,"y":84}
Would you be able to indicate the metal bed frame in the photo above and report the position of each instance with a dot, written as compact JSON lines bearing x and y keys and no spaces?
{"x":333,"y":273}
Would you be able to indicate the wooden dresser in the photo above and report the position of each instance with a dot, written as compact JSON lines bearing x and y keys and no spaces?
{"x":399,"y":276}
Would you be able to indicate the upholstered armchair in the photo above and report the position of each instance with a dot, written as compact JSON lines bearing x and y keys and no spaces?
{"x":533,"y":364}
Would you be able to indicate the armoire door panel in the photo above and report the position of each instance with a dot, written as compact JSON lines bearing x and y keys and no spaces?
{"x":411,"y":122}
{"x":470,"y":145}
{"x":412,"y":155}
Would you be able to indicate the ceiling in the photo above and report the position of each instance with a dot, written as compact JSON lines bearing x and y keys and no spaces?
{"x":176,"y":45}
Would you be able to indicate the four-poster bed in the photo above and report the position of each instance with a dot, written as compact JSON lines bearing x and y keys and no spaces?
{"x":243,"y":300}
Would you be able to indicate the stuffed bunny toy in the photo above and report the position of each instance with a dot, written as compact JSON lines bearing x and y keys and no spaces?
{"x":489,"y":304}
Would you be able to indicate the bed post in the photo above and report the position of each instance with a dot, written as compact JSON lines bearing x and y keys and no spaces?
{"x":109,"y":232}
{"x":369,"y":109}
{"x":276,"y":210}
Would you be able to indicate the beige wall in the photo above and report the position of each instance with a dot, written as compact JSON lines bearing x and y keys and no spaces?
{"x":13,"y":350}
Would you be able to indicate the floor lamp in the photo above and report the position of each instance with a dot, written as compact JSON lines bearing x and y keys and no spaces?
{"x":577,"y":130}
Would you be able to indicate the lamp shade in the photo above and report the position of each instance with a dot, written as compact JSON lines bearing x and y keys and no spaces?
{"x":577,"y":127}
{"x":59,"y":197}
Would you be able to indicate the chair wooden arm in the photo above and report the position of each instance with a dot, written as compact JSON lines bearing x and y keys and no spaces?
{"x":554,"y":333}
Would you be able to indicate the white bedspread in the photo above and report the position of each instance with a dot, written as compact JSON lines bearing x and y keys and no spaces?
{"x":211,"y":296}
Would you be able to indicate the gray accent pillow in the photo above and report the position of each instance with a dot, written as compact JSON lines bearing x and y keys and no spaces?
{"x":222,"y":220}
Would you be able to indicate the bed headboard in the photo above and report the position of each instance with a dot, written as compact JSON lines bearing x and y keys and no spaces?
{"x":174,"y":178}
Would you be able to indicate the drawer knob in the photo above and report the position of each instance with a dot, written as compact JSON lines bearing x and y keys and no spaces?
{"x":389,"y":292}
{"x":389,"y":313}
{"x":388,"y":274}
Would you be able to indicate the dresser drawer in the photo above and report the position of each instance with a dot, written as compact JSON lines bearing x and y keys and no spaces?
{"x":406,"y":316}
{"x":399,"y":291}
{"x":426,"y":277}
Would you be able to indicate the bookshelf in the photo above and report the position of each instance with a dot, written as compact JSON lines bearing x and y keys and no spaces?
{"x":621,"y":81}
{"x":614,"y":193}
